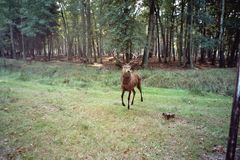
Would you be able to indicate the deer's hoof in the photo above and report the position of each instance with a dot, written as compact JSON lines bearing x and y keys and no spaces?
{"x":123,"y":104}
{"x":131,"y":103}
{"x":141,"y":99}
{"x":128,"y":107}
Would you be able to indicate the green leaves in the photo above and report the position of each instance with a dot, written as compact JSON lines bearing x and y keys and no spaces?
{"x":124,"y":25}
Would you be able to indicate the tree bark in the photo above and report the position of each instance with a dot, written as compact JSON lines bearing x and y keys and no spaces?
{"x":158,"y":37}
{"x":189,"y":34}
{"x":13,"y":51}
{"x":150,"y":34}
{"x":162,"y":34}
{"x":100,"y":36}
{"x":84,"y":29}
{"x":234,"y":49}
{"x":234,"y":123}
{"x":65,"y":30}
{"x":221,"y":48}
{"x":89,"y":30}
{"x":181,"y":34}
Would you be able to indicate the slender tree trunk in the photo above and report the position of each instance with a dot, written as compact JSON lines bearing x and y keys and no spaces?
{"x":214,"y":57}
{"x":70,"y":48}
{"x":44,"y":48}
{"x":126,"y":47}
{"x":158,"y":36}
{"x":13,"y":51}
{"x":84,"y":29}
{"x":202,"y":50}
{"x":234,"y":123}
{"x":65,"y":30}
{"x":189,"y":35}
{"x":162,"y":34}
{"x":171,"y":34}
{"x":181,"y":33}
{"x":234,"y":49}
{"x":96,"y":48}
{"x":94,"y":51}
{"x":221,"y":47}
{"x":169,"y":44}
{"x":173,"y":47}
{"x":23,"y":46}
{"x":151,"y":51}
{"x":80,"y":51}
{"x":49,"y":48}
{"x":89,"y":30}
{"x":150,"y":33}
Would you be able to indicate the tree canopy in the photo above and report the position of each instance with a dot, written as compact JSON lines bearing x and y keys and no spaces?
{"x":188,"y":32}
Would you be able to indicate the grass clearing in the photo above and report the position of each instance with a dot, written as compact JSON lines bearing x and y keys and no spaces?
{"x":69,"y":111}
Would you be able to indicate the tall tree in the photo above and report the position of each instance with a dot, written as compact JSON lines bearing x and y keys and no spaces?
{"x":150,"y":33}
{"x":189,"y":33}
{"x":221,"y":43}
{"x":89,"y":29}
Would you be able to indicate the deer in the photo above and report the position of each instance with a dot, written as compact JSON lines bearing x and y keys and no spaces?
{"x":130,"y":80}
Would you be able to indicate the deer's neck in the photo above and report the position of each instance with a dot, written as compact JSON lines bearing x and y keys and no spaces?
{"x":126,"y":80}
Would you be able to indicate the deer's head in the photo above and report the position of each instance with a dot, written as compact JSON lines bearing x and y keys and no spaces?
{"x":126,"y":70}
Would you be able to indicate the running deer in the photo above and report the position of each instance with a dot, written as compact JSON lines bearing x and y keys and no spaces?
{"x":129,"y":81}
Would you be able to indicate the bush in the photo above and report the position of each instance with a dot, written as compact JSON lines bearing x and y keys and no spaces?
{"x":220,"y":81}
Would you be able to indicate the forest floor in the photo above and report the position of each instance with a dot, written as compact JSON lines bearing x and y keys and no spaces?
{"x":109,"y":62}
{"x":71,"y":111}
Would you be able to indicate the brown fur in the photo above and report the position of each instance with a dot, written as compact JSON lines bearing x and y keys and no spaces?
{"x":129,"y":82}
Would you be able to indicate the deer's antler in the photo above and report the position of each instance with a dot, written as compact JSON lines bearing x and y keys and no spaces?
{"x":118,"y":63}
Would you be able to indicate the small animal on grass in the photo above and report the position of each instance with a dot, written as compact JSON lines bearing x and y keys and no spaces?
{"x":130,"y":80}
{"x":168,"y":116}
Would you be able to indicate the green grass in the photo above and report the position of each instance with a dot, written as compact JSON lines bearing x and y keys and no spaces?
{"x":70,"y":111}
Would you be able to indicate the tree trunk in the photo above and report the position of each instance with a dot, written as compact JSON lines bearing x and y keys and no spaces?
{"x":65,"y":30}
{"x":13,"y":51}
{"x":181,"y":34}
{"x":234,"y":123}
{"x":100,"y":36}
{"x":94,"y":51}
{"x":80,"y":51}
{"x":49,"y":47}
{"x":151,"y":51}
{"x":70,"y":48}
{"x":167,"y":45}
{"x":221,"y":47}
{"x":158,"y":37}
{"x":202,"y":50}
{"x":162,"y":33}
{"x":89,"y":30}
{"x":150,"y":34}
{"x":23,"y":47}
{"x":234,"y":49}
{"x":84,"y":28}
{"x":214,"y":57}
{"x":189,"y":34}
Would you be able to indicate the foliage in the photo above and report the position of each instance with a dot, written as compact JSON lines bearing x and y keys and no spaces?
{"x":124,"y":25}
{"x":39,"y":17}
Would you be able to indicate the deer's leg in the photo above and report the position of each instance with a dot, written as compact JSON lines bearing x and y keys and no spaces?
{"x":122,"y":97}
{"x":133,"y":96}
{"x":129,"y":95}
{"x":140,"y":89}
